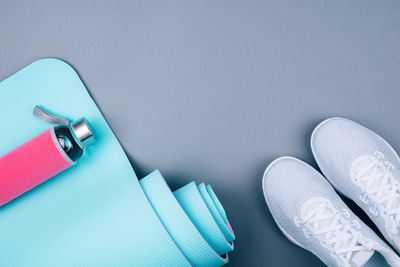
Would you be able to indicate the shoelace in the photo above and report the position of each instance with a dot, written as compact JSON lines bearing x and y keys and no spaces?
{"x":332,"y":229}
{"x":376,"y":179}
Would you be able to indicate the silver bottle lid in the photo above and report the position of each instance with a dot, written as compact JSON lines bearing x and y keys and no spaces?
{"x":80,"y":128}
{"x":82,"y":132}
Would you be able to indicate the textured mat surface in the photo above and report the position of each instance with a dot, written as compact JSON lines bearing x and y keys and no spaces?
{"x":93,"y":214}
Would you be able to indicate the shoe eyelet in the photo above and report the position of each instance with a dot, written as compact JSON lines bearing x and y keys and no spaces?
{"x":374,"y":211}
{"x":363,"y":199}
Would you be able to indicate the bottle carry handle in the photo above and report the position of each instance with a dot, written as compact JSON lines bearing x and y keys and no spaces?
{"x":46,"y":116}
{"x":80,"y":129}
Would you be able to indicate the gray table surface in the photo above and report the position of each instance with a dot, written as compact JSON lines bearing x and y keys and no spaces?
{"x":215,"y":90}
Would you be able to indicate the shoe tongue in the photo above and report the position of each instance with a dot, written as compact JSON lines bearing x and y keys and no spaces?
{"x":361,"y":257}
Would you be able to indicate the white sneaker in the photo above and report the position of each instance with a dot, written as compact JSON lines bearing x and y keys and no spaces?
{"x":310,"y":214}
{"x":363,"y":167}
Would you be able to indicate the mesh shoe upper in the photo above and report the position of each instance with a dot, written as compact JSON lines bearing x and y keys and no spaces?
{"x":310,"y":213}
{"x":362,"y":166}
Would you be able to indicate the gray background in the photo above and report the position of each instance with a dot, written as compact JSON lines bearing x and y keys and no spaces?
{"x":215,"y":90}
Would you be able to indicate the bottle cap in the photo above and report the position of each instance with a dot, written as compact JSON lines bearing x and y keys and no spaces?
{"x":80,"y":128}
{"x":82,"y":132}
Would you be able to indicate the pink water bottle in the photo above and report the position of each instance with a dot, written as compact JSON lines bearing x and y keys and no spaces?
{"x":44,"y":156}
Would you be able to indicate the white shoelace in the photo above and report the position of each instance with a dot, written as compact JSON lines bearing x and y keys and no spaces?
{"x":375,"y":177}
{"x":332,"y":229}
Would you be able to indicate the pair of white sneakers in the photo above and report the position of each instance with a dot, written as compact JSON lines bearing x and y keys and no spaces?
{"x":360,"y":165}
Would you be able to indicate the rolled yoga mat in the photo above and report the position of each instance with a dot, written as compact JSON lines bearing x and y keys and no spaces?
{"x":97,"y":213}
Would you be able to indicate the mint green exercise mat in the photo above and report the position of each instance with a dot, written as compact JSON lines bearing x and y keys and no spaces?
{"x":97,"y":213}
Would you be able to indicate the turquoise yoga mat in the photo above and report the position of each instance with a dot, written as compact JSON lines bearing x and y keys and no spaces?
{"x":97,"y":213}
